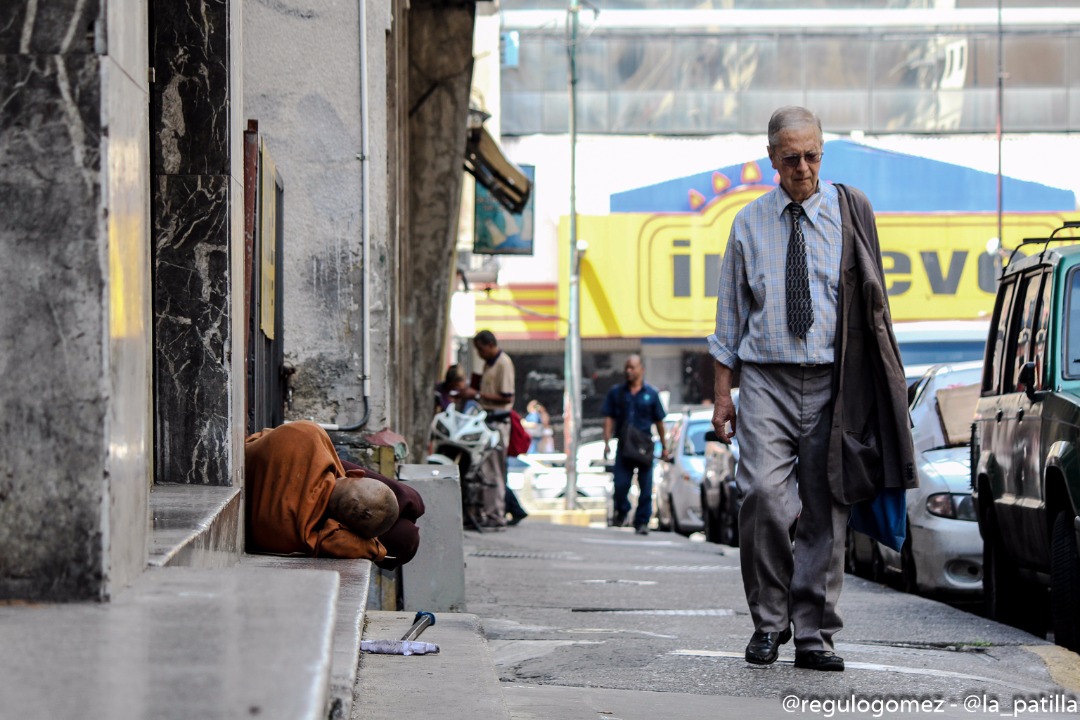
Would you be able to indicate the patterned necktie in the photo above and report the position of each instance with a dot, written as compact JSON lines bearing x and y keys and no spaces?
{"x":800,"y":308}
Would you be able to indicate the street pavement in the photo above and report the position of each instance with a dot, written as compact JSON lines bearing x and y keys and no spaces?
{"x":597,"y":622}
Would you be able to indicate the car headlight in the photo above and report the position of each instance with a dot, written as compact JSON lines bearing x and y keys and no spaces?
{"x":951,"y":505}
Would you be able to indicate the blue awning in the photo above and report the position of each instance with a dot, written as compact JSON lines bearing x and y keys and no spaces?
{"x":894,"y":182}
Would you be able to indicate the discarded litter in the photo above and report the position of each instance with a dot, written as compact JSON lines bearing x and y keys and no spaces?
{"x":408,"y":644}
{"x":398,"y":647}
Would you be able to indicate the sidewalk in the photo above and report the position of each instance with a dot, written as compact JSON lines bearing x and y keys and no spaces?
{"x":597,"y":622}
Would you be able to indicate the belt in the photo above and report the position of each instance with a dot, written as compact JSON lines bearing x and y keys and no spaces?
{"x":812,"y":365}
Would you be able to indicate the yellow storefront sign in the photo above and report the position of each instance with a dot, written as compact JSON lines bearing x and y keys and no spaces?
{"x":655,"y":275}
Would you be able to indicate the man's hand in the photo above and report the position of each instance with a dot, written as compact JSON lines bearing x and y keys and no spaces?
{"x":723,"y":417}
{"x":606,"y":449}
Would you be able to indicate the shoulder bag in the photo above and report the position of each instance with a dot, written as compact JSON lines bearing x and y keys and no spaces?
{"x":634,"y":444}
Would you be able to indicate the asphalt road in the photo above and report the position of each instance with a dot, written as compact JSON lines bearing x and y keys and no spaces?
{"x":574,"y":614}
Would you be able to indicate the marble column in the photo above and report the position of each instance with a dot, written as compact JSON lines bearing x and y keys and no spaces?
{"x":192,"y":199}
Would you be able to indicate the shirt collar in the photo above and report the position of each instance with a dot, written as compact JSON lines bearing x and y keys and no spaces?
{"x":811,"y":206}
{"x":491,"y":362}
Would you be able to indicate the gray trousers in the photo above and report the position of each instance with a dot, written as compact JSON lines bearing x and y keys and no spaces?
{"x":783,"y":425}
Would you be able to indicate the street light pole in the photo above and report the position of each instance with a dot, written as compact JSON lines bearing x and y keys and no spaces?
{"x":1000,"y":119}
{"x":572,"y":358}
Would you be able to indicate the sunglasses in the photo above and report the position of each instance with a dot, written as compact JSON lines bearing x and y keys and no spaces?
{"x":792,"y":161}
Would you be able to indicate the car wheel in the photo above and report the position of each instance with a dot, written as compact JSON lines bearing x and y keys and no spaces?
{"x":877,"y":563}
{"x":729,"y":526}
{"x":1065,"y":583}
{"x":661,"y":524}
{"x":852,"y":564}
{"x":674,"y":517}
{"x":712,"y":520}
{"x":909,"y":574}
{"x":1001,"y":582}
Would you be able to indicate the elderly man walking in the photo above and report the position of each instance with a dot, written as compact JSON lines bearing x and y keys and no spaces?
{"x":802,"y":313}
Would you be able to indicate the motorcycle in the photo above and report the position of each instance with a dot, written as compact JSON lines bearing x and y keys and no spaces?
{"x":466,"y":439}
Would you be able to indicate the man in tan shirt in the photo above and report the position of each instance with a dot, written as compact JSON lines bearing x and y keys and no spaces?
{"x":496,"y":393}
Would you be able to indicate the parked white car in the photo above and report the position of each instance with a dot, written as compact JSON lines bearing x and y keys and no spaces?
{"x":943,"y":550}
{"x":678,"y":494}
{"x":721,"y":499}
{"x":547,"y":472}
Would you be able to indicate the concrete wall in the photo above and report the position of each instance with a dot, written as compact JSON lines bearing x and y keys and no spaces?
{"x":302,"y":83}
{"x":74,"y":373}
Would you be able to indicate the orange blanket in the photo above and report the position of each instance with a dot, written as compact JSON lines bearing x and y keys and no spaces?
{"x":290,"y":474}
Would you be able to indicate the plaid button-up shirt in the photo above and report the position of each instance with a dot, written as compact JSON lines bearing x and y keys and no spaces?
{"x":751,"y":305}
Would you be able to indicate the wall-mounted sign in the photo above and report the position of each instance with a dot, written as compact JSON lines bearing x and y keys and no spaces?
{"x":498,"y":231}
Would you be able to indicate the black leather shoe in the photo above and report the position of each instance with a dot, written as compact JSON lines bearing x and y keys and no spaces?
{"x":764,"y":647}
{"x":819,"y":660}
{"x":619,"y":520}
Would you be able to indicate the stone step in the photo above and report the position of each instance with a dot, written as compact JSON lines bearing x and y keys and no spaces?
{"x":354,"y":585}
{"x":195,"y":525}
{"x":458,"y":682}
{"x":241,"y":642}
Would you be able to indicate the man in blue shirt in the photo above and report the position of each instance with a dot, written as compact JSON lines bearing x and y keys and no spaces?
{"x":636,"y":404}
{"x":802,"y":313}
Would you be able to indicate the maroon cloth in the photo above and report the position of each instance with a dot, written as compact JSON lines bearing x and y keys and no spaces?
{"x":402,"y":540}
{"x":520,"y":440}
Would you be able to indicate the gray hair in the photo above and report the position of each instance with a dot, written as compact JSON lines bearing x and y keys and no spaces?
{"x":789,"y":117}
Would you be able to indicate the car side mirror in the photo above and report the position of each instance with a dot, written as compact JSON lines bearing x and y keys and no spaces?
{"x":1027,"y":379}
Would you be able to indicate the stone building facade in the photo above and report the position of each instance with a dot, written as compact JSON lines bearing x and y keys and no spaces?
{"x":124,"y":320}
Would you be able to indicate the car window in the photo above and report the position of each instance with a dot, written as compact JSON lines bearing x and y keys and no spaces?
{"x":998,"y":332}
{"x":1022,"y":331}
{"x":1042,"y":331}
{"x":1072,"y":325}
{"x":695,"y":438}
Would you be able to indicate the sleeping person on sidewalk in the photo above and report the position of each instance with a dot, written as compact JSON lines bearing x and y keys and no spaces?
{"x":300,"y":498}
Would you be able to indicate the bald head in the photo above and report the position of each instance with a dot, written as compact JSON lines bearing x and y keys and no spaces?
{"x":634,"y":370}
{"x":364,"y":505}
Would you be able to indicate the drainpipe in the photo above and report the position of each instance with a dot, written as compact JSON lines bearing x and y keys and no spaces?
{"x":365,"y":225}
